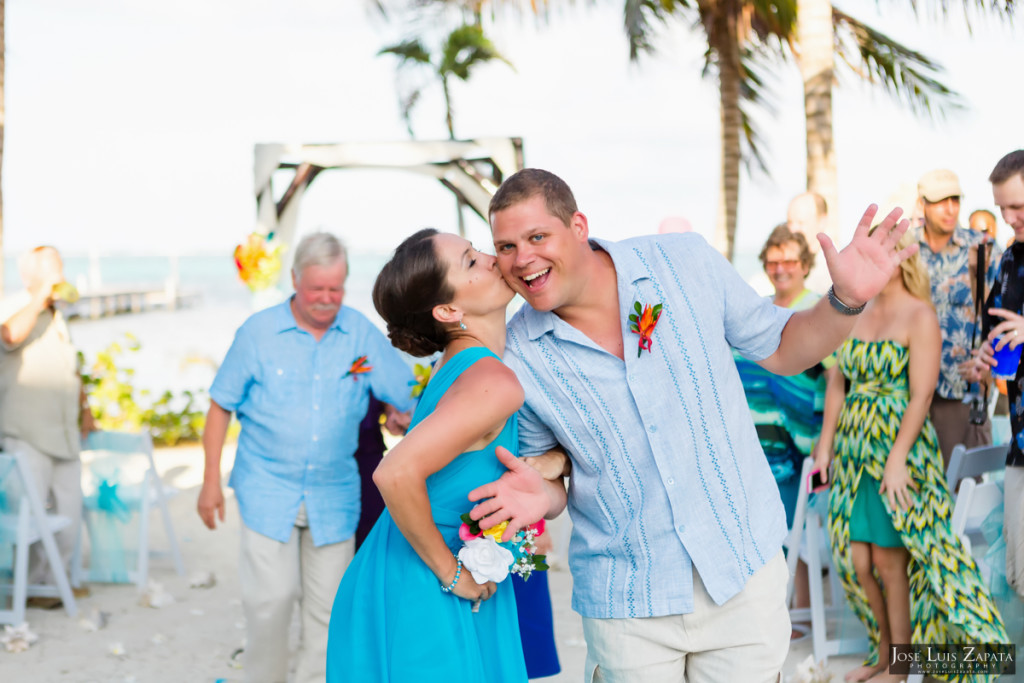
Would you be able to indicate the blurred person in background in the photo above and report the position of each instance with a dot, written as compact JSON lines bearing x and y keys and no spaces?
{"x":1003,"y":318}
{"x":808,"y":215}
{"x":43,"y":408}
{"x":951,"y":255}
{"x":984,"y":221}
{"x":787,"y":260}
{"x":299,"y":377}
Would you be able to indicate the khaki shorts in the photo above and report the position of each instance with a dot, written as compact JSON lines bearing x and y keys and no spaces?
{"x":746,"y":639}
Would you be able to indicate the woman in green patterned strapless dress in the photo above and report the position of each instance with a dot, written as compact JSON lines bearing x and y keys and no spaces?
{"x":889,"y":513}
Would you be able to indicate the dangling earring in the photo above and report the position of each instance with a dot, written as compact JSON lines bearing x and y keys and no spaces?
{"x":462,"y":325}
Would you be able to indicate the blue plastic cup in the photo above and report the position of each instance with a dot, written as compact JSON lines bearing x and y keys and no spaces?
{"x":1007,"y":360}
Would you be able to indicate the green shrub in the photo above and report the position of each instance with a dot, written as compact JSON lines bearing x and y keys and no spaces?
{"x":116,"y":405}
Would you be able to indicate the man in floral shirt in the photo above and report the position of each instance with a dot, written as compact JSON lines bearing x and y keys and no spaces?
{"x":950,"y":253}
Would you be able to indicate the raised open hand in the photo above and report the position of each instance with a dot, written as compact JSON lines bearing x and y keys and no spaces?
{"x":518,"y":496}
{"x":867,"y":263}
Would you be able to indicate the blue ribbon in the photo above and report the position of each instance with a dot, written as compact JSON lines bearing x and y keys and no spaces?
{"x":107,"y":500}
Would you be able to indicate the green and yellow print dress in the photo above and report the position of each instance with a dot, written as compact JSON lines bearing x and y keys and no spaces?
{"x":949,"y":603}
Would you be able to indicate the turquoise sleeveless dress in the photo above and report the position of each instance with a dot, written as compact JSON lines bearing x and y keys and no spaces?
{"x":390,"y":620}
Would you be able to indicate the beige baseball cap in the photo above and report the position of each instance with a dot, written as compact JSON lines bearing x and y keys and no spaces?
{"x":937,"y":185}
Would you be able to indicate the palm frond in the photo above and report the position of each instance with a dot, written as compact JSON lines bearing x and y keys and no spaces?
{"x":465,"y":48}
{"x":755,"y":95}
{"x":408,"y":51}
{"x":406,"y":103}
{"x":1003,"y":9}
{"x":773,"y":20}
{"x":639,"y":18}
{"x":907,"y":75}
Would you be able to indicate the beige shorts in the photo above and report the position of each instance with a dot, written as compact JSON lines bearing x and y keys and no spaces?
{"x":746,"y":639}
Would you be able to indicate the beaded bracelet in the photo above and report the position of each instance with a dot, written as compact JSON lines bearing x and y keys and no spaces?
{"x":458,"y":573}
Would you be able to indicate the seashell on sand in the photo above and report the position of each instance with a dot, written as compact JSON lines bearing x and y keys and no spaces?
{"x":155,"y":596}
{"x":94,"y":620}
{"x":202,"y":580}
{"x":18,"y":638}
{"x":810,"y":671}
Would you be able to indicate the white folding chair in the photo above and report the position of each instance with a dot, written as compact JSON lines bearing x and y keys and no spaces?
{"x":24,"y":521}
{"x":119,"y":467}
{"x":808,"y":528}
{"x":974,"y":503}
{"x":965,"y":464}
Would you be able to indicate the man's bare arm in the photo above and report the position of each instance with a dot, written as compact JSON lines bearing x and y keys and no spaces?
{"x":211,"y":496}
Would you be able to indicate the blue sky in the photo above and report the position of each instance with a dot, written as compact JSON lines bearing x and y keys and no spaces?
{"x":131,"y":123}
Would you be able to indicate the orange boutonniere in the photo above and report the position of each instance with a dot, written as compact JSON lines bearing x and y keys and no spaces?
{"x":642,"y":323}
{"x":359,"y":367}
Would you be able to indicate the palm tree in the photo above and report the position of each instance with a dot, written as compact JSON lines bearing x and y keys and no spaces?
{"x":907,"y":75}
{"x":815,"y":57}
{"x":462,"y":51}
{"x":824,"y":32}
{"x":742,"y":37}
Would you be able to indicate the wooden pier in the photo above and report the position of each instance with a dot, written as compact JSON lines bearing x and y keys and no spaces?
{"x":118,"y":299}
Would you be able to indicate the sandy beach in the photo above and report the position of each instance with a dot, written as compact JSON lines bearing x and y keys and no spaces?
{"x":193,"y":638}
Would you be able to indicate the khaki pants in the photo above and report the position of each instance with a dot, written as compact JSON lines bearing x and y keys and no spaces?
{"x":272,"y":576}
{"x":746,"y":639}
{"x":61,"y":478}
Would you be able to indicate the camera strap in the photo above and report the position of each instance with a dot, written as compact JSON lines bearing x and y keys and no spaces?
{"x":979,"y":304}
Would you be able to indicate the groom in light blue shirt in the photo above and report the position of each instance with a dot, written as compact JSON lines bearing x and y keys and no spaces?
{"x":677,"y":522}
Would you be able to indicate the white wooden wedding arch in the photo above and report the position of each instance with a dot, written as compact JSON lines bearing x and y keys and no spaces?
{"x":471,"y":169}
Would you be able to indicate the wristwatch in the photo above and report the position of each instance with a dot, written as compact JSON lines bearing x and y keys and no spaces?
{"x":840,"y":306}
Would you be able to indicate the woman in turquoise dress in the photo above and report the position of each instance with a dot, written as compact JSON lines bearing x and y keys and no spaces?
{"x":907,"y":576}
{"x":406,"y":609}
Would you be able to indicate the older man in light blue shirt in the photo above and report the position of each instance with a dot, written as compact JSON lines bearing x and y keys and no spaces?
{"x":676,"y":547}
{"x":298,"y":375}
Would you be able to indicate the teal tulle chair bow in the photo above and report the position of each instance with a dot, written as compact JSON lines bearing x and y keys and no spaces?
{"x":125,"y":488}
{"x":108,"y":501}
{"x":6,"y":538}
{"x":107,"y":530}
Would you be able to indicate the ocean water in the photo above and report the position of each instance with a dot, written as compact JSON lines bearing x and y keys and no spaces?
{"x":182,"y":349}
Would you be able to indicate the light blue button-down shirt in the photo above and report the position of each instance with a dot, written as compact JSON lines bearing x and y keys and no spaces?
{"x":300,"y":418}
{"x":667,"y":471}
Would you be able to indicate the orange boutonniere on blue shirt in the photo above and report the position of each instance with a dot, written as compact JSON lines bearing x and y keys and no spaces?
{"x":359,"y":367}
{"x":643,"y":322}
